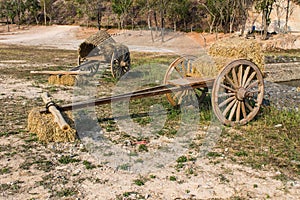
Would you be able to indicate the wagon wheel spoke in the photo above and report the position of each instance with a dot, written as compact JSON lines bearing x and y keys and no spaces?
{"x":178,"y":94}
{"x":181,"y":68}
{"x":233,"y":72}
{"x":243,"y":110}
{"x":250,"y":79}
{"x":248,"y":106}
{"x":231,"y":82}
{"x":184,"y":71}
{"x":233,"y":110}
{"x":238,"y":112}
{"x":238,"y":105}
{"x":229,"y":106}
{"x":245,"y":75}
{"x":228,"y":88}
{"x":226,"y":94}
{"x":240,"y":75}
{"x":252,"y":85}
{"x":226,"y":101}
{"x":180,"y":99}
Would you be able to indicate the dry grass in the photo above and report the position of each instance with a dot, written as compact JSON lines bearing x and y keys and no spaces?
{"x":260,"y":144}
{"x":47,"y":129}
{"x":230,"y":49}
{"x":67,"y":80}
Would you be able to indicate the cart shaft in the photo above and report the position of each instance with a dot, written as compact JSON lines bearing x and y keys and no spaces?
{"x":153,"y":91}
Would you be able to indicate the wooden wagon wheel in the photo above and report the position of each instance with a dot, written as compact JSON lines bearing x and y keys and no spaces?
{"x":182,"y":68}
{"x":120,"y":62}
{"x":238,"y":92}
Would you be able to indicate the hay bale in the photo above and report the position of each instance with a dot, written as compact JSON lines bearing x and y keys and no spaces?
{"x":93,"y":41}
{"x":47,"y":130}
{"x":68,"y":80}
{"x":230,"y":49}
{"x":204,"y":66}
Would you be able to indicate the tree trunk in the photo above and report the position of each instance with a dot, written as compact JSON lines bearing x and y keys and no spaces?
{"x":231,"y":26}
{"x":265,"y":26}
{"x":99,"y":17}
{"x":45,"y":13}
{"x":287,"y":16}
{"x":174,"y":25}
{"x":149,"y":20}
{"x":211,"y":25}
{"x":36,"y":20}
{"x":162,"y":17}
{"x":150,"y":25}
{"x":7,"y":22}
{"x":19,"y":14}
{"x":204,"y":39}
{"x":155,"y":20}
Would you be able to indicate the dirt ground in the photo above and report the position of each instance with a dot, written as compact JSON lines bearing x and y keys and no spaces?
{"x":31,"y":170}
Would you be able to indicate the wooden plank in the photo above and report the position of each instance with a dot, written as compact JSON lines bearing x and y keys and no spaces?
{"x":61,"y":72}
{"x":191,"y":81}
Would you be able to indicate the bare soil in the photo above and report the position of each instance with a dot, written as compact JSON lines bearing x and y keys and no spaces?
{"x":31,"y":170}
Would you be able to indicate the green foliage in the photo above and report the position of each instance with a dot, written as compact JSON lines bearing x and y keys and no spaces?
{"x":173,"y":178}
{"x":139,"y":182}
{"x":67,"y":160}
{"x":67,"y":192}
{"x":182,"y":159}
{"x":121,"y":7}
{"x":88,"y":165}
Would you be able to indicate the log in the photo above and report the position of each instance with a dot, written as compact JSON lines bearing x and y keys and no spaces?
{"x":58,"y":118}
{"x":61,"y":72}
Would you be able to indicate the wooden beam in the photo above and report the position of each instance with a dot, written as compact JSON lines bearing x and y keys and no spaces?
{"x":154,"y":91}
{"x":58,"y":118}
{"x":61,"y":72}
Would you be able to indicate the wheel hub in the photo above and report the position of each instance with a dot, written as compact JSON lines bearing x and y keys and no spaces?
{"x":241,"y":94}
{"x":123,"y":64}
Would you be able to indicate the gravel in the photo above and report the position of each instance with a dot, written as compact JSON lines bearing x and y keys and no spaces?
{"x":282,"y":96}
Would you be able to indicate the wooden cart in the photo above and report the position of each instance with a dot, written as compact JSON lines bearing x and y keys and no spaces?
{"x":237,"y":91}
{"x":100,"y":50}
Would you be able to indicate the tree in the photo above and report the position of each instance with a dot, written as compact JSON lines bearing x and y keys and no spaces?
{"x":179,"y":11}
{"x":19,"y":6}
{"x":163,"y":6}
{"x":266,"y":7}
{"x":121,"y":8}
{"x":33,"y":7}
{"x":212,"y":19}
{"x":8,"y":12}
{"x":46,"y":5}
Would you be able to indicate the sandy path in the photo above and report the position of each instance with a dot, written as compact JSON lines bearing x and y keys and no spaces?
{"x":69,"y":37}
{"x":63,"y":37}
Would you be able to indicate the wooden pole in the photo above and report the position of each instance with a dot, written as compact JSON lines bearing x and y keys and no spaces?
{"x":61,"y":72}
{"x":188,"y":84}
{"x":58,"y":118}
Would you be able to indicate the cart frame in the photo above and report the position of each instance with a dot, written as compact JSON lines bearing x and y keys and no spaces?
{"x":237,"y":91}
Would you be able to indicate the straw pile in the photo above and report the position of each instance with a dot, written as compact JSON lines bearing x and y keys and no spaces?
{"x":47,"y":130}
{"x":227,"y":50}
{"x":68,"y":80}
{"x":93,"y":41}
